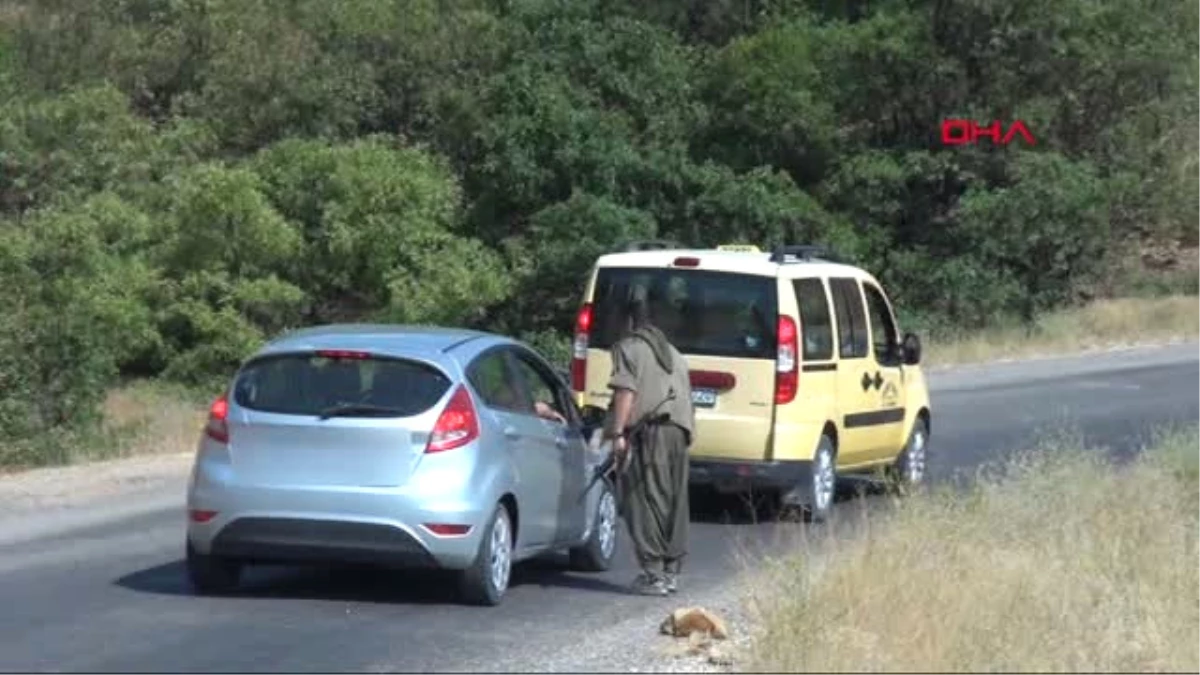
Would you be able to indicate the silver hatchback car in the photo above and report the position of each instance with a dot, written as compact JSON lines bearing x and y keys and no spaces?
{"x":396,"y":445}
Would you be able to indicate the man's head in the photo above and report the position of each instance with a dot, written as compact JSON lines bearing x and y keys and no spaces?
{"x":637,"y":313}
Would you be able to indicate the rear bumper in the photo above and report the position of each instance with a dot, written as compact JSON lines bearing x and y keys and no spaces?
{"x":383,"y":526}
{"x":744,"y":475}
{"x":305,"y":540}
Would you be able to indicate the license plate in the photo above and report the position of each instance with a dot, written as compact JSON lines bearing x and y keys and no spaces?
{"x":704,"y":398}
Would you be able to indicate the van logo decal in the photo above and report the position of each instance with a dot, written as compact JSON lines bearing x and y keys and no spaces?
{"x":890,"y":394}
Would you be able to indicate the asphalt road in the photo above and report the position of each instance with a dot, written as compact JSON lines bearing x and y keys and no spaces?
{"x":112,"y":596}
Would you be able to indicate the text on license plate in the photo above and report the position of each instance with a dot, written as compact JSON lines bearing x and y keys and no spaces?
{"x":704,"y":398}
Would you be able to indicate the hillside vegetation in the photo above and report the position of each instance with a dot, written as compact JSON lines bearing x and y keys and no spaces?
{"x":182,"y":179}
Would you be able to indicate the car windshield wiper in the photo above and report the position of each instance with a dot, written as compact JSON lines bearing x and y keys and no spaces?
{"x":351,"y":408}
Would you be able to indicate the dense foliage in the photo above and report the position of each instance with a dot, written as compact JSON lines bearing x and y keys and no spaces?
{"x":180,"y":179}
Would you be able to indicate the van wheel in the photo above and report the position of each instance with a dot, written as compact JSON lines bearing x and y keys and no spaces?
{"x":908,"y":472}
{"x":486,"y":580}
{"x":815,"y":496}
{"x":211,"y":575}
{"x":597,"y":554}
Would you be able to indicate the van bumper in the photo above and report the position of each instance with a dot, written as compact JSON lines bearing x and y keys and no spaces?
{"x":736,"y":476}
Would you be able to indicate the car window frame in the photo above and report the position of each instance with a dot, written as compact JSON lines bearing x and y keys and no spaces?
{"x":550,"y":379}
{"x":514,"y":376}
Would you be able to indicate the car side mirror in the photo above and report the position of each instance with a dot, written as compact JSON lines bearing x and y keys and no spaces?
{"x":910,"y":349}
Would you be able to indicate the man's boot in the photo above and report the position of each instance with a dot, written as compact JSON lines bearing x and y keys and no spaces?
{"x":651,"y":581}
{"x":671,"y":575}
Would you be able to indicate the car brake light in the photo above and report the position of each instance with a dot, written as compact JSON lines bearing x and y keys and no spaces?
{"x":457,"y":425}
{"x":342,"y":354}
{"x":217,"y":427}
{"x":447,"y":529}
{"x":687,"y":262}
{"x":583,"y":329}
{"x":787,"y":371}
{"x":199,"y":516}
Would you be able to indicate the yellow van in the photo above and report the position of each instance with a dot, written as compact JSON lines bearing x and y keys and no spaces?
{"x":797,"y":366}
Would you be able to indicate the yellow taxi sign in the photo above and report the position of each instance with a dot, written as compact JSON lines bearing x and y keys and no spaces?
{"x":744,"y":248}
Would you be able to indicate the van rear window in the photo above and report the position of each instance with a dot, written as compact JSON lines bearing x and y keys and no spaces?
{"x":308,"y":384}
{"x":702,"y":312}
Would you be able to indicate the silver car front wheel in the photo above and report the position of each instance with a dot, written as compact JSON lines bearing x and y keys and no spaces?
{"x":596,"y":555}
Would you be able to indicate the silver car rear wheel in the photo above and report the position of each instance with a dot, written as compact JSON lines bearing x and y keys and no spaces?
{"x":486,"y":580}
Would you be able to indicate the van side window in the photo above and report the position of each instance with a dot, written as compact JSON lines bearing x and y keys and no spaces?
{"x":815,"y":323}
{"x":853,"y":339}
{"x":883,"y":328}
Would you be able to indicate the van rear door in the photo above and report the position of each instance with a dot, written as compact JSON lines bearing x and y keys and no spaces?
{"x":724,"y":324}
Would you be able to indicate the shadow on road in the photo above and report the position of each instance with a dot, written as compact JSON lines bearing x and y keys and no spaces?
{"x":755,"y":508}
{"x":349,"y":583}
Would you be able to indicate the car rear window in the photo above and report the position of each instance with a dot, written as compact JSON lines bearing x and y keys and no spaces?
{"x":307,"y":384}
{"x":702,"y":312}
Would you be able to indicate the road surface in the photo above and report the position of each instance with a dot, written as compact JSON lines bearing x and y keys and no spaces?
{"x":112,"y":597}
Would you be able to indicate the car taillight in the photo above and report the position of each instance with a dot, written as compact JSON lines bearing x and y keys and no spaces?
{"x":457,"y":425}
{"x":218,"y":414}
{"x":787,"y":370}
{"x":583,"y":329}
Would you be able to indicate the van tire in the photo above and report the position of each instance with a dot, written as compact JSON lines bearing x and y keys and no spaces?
{"x":815,"y":497}
{"x":912,"y":464}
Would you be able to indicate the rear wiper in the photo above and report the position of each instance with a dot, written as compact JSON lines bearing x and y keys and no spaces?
{"x":351,"y":408}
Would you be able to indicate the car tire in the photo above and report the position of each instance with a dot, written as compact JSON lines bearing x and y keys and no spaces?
{"x":486,"y":580}
{"x":211,"y":575}
{"x":814,"y":498}
{"x":597,"y":554}
{"x":908,"y":471}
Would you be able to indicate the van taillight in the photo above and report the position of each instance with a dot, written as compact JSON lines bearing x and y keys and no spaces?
{"x":457,"y":425}
{"x":217,"y":427}
{"x":579,"y":349}
{"x":787,"y":369}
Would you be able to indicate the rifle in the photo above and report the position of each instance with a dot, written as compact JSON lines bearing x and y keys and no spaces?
{"x":653,"y":417}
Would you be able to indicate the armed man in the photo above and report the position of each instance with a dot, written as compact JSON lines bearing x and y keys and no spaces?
{"x":649,"y":382}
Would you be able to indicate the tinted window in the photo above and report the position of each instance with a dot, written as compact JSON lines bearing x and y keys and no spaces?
{"x":816,"y":325}
{"x":493,"y":379}
{"x":544,"y":386}
{"x":851,"y":318}
{"x":702,"y":312}
{"x":883,"y":330}
{"x":306,"y":384}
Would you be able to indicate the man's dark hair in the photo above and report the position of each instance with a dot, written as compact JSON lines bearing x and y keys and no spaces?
{"x":637,"y":312}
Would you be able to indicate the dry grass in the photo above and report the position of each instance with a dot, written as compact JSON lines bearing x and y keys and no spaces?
{"x":1103,"y":324}
{"x":1066,"y":564}
{"x":152,"y":419}
{"x":138,"y":419}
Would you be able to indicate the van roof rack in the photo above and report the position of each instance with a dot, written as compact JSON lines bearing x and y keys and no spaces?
{"x":650,"y":245}
{"x":805,"y":252}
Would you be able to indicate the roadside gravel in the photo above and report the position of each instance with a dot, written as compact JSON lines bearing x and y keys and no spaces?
{"x":82,"y":484}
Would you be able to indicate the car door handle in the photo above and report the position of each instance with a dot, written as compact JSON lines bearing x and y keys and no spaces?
{"x":560,"y":442}
{"x":511,"y":433}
